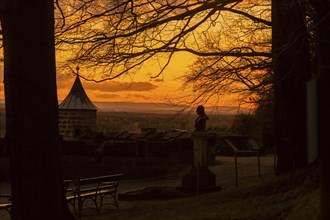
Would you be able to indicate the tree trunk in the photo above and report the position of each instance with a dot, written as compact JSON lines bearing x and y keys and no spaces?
{"x":292,"y":70}
{"x":322,"y":20}
{"x":32,"y":110}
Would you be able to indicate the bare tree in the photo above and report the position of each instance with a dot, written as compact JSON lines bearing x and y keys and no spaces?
{"x":231,"y":39}
{"x":236,"y":55}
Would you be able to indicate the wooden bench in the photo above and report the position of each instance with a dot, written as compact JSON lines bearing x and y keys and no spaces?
{"x":7,"y":205}
{"x":94,"y":189}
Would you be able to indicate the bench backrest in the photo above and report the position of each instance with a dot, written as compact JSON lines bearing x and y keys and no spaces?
{"x":96,"y":183}
{"x":99,"y":179}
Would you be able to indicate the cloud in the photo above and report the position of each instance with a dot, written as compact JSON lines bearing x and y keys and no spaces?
{"x":113,"y":86}
{"x":106,"y":95}
{"x":120,"y":86}
{"x":110,"y":90}
{"x":140,"y":97}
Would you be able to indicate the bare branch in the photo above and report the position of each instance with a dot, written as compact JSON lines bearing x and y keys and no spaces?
{"x":229,"y":38}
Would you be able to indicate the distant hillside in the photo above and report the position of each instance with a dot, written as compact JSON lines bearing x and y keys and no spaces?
{"x":160,"y":108}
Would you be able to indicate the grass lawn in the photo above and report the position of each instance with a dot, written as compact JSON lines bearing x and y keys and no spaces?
{"x":291,"y":196}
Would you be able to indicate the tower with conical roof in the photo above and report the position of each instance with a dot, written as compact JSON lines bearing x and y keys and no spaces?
{"x":77,"y":113}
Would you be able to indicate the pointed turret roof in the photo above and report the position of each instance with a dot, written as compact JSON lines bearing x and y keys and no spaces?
{"x":77,"y":98}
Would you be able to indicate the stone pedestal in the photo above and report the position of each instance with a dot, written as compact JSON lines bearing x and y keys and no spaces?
{"x":203,"y":178}
{"x":199,"y":176}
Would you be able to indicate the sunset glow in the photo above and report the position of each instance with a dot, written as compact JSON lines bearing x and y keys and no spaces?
{"x":140,"y":87}
{"x":133,"y":46}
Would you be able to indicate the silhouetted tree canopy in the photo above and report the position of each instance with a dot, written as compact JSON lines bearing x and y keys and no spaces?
{"x":230,"y":39}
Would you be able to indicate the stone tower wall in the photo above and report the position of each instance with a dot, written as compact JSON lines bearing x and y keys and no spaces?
{"x":74,"y":123}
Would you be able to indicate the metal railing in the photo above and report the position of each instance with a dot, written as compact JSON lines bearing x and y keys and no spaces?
{"x":238,"y":153}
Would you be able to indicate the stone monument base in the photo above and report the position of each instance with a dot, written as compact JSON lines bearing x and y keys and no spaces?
{"x":206,"y":180}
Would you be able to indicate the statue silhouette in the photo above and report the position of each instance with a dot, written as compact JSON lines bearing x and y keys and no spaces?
{"x":200,"y":123}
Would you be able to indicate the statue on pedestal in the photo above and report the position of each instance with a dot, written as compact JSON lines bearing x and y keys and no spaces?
{"x":200,"y":177}
{"x":200,"y":139}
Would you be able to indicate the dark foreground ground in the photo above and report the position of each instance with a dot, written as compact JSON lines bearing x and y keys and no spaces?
{"x":294,"y":196}
{"x":223,"y":168}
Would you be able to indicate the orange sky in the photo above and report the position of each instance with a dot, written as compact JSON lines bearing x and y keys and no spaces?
{"x":141,"y":88}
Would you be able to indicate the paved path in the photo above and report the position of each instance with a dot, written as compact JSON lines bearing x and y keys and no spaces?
{"x":224,"y":169}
